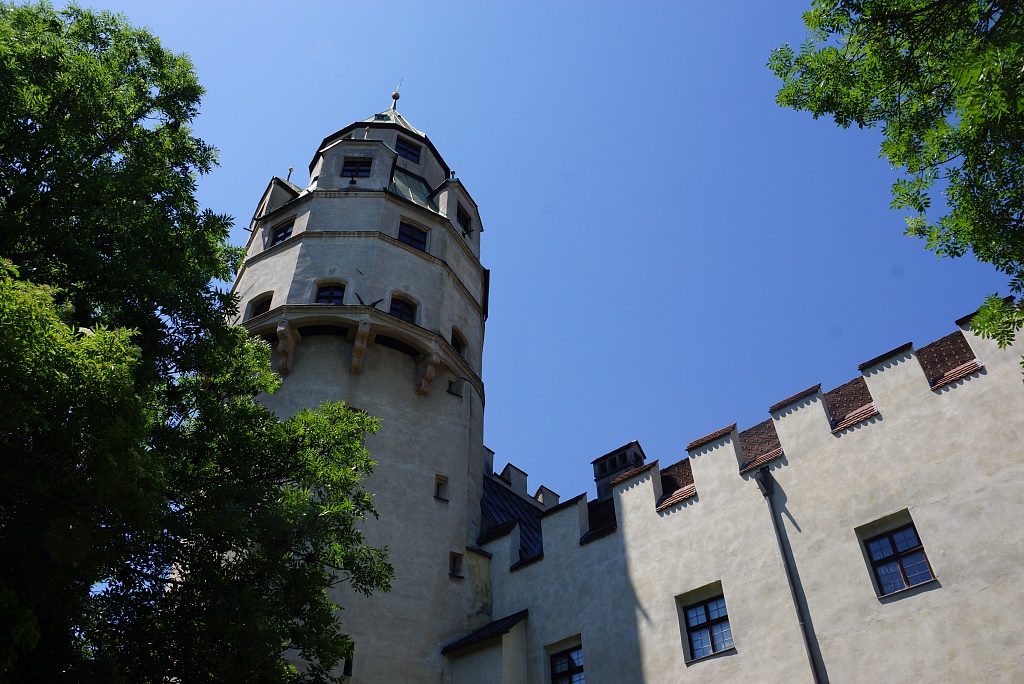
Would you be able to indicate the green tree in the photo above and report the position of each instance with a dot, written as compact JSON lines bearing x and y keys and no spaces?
{"x":156,"y":523}
{"x":945,"y":81}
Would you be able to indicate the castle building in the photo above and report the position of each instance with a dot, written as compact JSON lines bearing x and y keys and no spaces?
{"x":868,"y":532}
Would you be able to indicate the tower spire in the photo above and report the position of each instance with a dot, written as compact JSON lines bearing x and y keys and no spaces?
{"x":395,"y":95}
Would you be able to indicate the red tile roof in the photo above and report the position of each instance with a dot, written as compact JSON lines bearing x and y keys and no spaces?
{"x":760,"y":460}
{"x":789,"y":400}
{"x":849,"y":404}
{"x":675,"y":497}
{"x":942,"y":358}
{"x":759,"y":444}
{"x":955,"y":374}
{"x":707,"y":439}
{"x":634,"y":472}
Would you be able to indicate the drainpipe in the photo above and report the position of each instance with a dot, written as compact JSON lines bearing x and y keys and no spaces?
{"x":766,"y":483}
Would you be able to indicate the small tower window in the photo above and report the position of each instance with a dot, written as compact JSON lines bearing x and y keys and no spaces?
{"x":409,"y":150}
{"x":441,"y":487}
{"x":403,"y":310}
{"x":458,"y":343}
{"x":356,"y":167}
{"x":281,"y":233}
{"x":412,"y":236}
{"x":330,"y":294}
{"x":464,"y":221}
{"x":260,"y":306}
{"x":455,"y":565}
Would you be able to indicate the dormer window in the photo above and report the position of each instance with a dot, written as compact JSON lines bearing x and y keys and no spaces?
{"x":281,"y":233}
{"x":403,"y":310}
{"x":465,"y":222}
{"x":409,"y":150}
{"x":356,"y":167}
{"x":412,"y":236}
{"x":330,"y":294}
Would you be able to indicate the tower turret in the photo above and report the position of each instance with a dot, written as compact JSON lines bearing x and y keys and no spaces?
{"x":368,"y":285}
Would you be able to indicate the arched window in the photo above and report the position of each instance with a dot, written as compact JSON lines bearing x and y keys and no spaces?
{"x":260,"y":306}
{"x":403,"y":309}
{"x":330,"y":294}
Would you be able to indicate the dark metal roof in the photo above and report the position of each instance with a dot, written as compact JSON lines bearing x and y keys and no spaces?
{"x":500,"y":506}
{"x":489,"y":631}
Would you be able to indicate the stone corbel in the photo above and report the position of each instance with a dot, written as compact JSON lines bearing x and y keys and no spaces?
{"x":428,"y":369}
{"x":287,"y":339}
{"x":359,"y":348}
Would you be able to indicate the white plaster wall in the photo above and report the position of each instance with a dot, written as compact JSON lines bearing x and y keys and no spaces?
{"x":951,"y":458}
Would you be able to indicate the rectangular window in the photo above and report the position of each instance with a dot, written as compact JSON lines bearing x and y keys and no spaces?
{"x":403,"y":310}
{"x":281,"y":233}
{"x":356,"y":167}
{"x":441,"y":487}
{"x":898,"y":560}
{"x":464,"y":220}
{"x":567,"y":667}
{"x":455,"y":564}
{"x":409,"y":150}
{"x":707,"y":628}
{"x":412,"y":236}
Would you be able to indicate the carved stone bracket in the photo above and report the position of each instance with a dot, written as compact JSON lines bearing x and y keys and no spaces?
{"x":287,"y":339}
{"x":359,"y":348}
{"x":428,"y":369}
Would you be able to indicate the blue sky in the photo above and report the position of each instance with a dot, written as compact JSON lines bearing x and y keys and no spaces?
{"x":671,"y":252}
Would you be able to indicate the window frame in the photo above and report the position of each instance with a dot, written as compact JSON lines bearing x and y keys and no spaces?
{"x":456,"y":565}
{"x":330,"y":286}
{"x":566,"y":676}
{"x":463,"y":218}
{"x":409,"y":237}
{"x":896,"y":556}
{"x":260,"y":305}
{"x":406,"y":147}
{"x":706,"y":626}
{"x":356,"y":170}
{"x":408,"y":316}
{"x":276,"y":238}
{"x":441,"y":488}
{"x":459,"y":344}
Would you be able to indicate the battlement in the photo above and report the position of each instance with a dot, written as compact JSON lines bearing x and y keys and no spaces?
{"x":916,"y":393}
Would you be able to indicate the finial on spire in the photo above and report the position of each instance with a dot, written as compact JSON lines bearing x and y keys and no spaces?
{"x":395,"y":95}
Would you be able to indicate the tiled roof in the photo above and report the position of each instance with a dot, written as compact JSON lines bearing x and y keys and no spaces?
{"x":675,"y":497}
{"x":796,"y":397}
{"x":961,"y":371}
{"x":882,"y":357}
{"x":497,"y":531}
{"x":633,"y":473}
{"x":501,"y":506}
{"x":601,"y":520}
{"x":707,"y":439}
{"x":758,"y":443}
{"x":760,"y":460}
{"x":849,"y":404}
{"x":676,"y":476}
{"x":945,"y":358}
{"x":487,"y":632}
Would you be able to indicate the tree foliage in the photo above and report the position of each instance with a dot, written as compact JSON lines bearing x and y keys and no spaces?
{"x":156,"y":523}
{"x":945,"y":81}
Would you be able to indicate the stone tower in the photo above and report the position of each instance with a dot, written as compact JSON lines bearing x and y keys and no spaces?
{"x":368,"y":284}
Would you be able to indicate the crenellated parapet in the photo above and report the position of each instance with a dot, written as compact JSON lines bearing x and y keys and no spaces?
{"x":822,"y":429}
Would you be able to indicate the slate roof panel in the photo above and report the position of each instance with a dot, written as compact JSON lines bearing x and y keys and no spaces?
{"x":500,"y":506}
